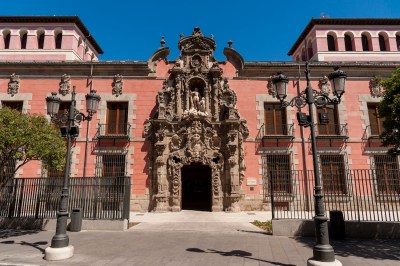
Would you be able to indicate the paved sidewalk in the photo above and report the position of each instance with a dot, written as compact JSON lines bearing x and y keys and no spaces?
{"x":189,"y":238}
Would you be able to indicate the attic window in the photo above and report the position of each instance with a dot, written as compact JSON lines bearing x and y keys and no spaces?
{"x":7,"y":38}
{"x":41,"y":40}
{"x":398,"y":42}
{"x":365,"y":42}
{"x":382,"y":43}
{"x":58,"y":40}
{"x":331,"y":42}
{"x":24,"y":38}
{"x":348,"y":44}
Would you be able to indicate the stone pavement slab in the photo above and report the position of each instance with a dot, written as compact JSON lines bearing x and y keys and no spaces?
{"x":193,"y":243}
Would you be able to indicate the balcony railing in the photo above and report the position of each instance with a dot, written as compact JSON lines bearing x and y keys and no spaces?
{"x":371,"y":137}
{"x":113,"y":131}
{"x":339,"y":131}
{"x":273,"y":132}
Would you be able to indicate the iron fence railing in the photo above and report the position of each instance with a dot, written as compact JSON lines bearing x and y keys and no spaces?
{"x":365,"y":195}
{"x":101,"y":198}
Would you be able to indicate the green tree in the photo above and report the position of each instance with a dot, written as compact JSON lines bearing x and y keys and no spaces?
{"x":27,"y":137}
{"x":389,"y":110}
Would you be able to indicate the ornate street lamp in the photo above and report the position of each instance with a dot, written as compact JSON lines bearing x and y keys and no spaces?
{"x":322,"y":251}
{"x":60,"y":248}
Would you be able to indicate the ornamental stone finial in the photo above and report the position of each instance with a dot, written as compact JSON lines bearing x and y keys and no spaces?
{"x":230,"y":42}
{"x":162,"y":42}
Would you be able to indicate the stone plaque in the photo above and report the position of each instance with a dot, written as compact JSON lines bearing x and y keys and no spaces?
{"x":251,"y":181}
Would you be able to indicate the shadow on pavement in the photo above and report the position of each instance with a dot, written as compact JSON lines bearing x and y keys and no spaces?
{"x":6,"y":233}
{"x":255,"y":232}
{"x":237,"y":253}
{"x":379,"y":249}
{"x":24,"y":243}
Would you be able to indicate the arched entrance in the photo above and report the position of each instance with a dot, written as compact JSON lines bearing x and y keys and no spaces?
{"x":196,"y":187}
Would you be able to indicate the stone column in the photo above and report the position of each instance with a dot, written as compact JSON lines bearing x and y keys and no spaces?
{"x":207,"y":99}
{"x":178,"y":97}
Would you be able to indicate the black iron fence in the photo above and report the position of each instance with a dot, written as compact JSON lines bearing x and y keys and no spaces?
{"x":362,"y":195}
{"x":101,"y":198}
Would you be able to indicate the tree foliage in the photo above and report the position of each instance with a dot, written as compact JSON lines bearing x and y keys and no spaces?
{"x":26,"y":137}
{"x":389,"y":110}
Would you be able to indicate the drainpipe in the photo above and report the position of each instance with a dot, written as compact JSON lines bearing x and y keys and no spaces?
{"x":303,"y":149}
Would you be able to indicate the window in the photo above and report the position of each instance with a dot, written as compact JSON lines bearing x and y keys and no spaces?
{"x":333,"y":173}
{"x":375,"y":122}
{"x":382,"y":43}
{"x":7,"y":39}
{"x":331,"y":43}
{"x":113,"y":165}
{"x":310,"y":51}
{"x":24,"y":38}
{"x":387,"y":174}
{"x":117,"y":118}
{"x":398,"y":42}
{"x":275,"y":119}
{"x":16,"y":105}
{"x":41,"y":40}
{"x":365,"y":42}
{"x":333,"y":127}
{"x":348,"y":43}
{"x":58,"y":40}
{"x":278,"y":167}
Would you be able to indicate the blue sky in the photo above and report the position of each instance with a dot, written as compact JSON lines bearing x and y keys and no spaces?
{"x":261,"y":30}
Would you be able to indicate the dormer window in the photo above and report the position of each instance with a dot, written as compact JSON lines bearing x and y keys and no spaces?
{"x":348,"y":43}
{"x":24,"y":37}
{"x":7,"y":38}
{"x":365,"y":42}
{"x":331,"y":42}
{"x":59,"y":40}
{"x":382,"y":43}
{"x":41,"y":40}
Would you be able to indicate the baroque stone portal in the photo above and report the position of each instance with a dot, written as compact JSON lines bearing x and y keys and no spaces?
{"x":196,"y":122}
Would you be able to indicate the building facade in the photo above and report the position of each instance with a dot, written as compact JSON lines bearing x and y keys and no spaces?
{"x":199,"y":133}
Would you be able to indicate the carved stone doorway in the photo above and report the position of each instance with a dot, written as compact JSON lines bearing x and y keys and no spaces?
{"x":196,"y":187}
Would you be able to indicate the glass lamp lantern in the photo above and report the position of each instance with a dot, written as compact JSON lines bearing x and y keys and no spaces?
{"x":338,"y":82}
{"x":280,"y":82}
{"x":53,"y":104}
{"x":92,"y":102}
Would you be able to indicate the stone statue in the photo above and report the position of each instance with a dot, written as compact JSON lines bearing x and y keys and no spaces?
{"x":195,"y":99}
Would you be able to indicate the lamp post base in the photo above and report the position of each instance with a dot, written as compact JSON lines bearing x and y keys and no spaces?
{"x":312,"y":262}
{"x":59,"y":253}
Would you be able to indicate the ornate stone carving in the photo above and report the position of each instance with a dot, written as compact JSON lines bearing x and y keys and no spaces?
{"x":324,"y":85}
{"x":117,"y":85}
{"x":271,"y":88}
{"x":64,"y":85}
{"x":375,"y":87}
{"x":13,"y":84}
{"x":196,"y":121}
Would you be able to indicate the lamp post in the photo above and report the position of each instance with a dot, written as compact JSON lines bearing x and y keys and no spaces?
{"x":60,"y":248}
{"x":322,"y":251}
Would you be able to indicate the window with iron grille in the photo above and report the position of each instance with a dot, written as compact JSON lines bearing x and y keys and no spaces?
{"x":387,"y":174}
{"x":113,"y":165}
{"x":333,"y":173}
{"x":333,"y":127}
{"x":117,"y":118}
{"x":375,"y":122}
{"x":278,"y":168}
{"x":274,"y":119}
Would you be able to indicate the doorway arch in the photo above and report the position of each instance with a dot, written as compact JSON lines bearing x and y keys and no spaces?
{"x":196,"y":187}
